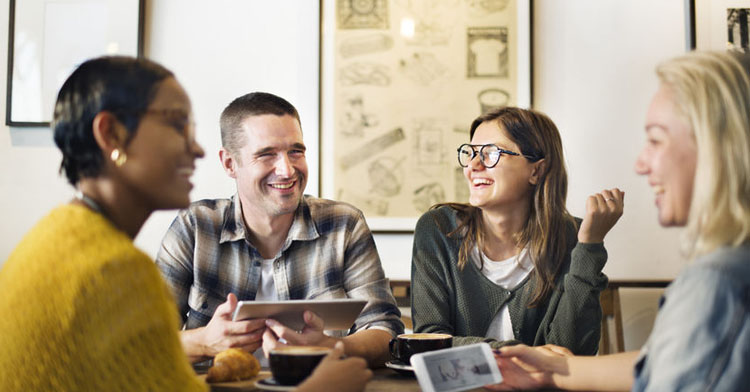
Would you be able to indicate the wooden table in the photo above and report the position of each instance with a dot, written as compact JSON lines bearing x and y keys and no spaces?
{"x":384,"y":380}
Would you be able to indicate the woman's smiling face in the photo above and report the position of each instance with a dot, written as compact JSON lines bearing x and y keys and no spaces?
{"x":507,"y":184}
{"x":669,"y":158}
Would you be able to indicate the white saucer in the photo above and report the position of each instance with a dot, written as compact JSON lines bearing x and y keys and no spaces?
{"x":269,"y":384}
{"x":400,"y":367}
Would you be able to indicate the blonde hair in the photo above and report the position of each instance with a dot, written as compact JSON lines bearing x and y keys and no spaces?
{"x":712,"y":92}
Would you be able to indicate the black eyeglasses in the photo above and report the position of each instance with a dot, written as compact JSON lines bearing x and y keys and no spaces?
{"x":489,"y":154}
{"x":179,"y":119}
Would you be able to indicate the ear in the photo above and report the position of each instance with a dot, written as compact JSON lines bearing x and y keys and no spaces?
{"x":108,"y":132}
{"x":228,"y":162}
{"x":537,"y":171}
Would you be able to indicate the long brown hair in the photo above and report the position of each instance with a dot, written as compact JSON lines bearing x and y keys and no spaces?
{"x":546,"y":231}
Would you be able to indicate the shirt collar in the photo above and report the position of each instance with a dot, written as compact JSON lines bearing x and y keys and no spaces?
{"x":234,"y":225}
{"x":303,"y":227}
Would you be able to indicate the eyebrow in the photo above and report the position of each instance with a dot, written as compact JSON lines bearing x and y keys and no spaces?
{"x":496,"y":144}
{"x":264,"y":150}
{"x":173,"y":111}
{"x":650,"y":126}
{"x":296,"y":146}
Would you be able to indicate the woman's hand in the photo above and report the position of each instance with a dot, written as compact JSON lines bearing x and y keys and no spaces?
{"x":334,"y":373}
{"x":603,"y":209}
{"x":529,"y":368}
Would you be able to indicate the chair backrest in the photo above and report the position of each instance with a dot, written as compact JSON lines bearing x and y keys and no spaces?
{"x":612,"y":310}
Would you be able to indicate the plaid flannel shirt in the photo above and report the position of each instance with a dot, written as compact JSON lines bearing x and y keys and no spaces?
{"x":329,"y":253}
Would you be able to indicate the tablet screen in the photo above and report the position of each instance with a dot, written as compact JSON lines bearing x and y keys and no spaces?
{"x":337,"y":314}
{"x":457,"y":369}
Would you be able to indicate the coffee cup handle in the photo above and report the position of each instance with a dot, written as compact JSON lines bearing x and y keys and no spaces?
{"x":393,"y":348}
{"x":408,"y":349}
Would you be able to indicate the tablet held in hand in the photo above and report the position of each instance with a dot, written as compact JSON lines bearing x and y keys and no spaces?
{"x":337,"y":314}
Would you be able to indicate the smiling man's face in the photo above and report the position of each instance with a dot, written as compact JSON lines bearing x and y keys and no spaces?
{"x":271,"y":172}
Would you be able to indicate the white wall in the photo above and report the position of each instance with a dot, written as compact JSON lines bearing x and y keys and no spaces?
{"x":593,"y":74}
{"x":29,"y":185}
{"x":222,"y":49}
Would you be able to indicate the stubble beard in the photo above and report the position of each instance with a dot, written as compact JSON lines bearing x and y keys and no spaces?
{"x":289,"y":203}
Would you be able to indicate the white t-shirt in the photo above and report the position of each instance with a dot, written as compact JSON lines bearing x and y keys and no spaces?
{"x":267,"y":286}
{"x":508,"y":274}
{"x":266,"y":292}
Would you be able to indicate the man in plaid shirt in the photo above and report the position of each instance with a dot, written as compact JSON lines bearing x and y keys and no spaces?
{"x":271,"y":242}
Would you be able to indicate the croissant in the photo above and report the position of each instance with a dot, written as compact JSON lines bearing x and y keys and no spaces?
{"x":233,"y":365}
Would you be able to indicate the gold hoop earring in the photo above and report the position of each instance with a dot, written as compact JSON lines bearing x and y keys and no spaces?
{"x":118,"y":157}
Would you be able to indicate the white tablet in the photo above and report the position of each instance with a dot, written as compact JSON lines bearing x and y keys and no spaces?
{"x":456,"y":369}
{"x":336,"y":313}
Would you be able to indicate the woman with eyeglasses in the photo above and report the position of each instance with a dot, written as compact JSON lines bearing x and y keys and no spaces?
{"x":513,"y":266}
{"x":82,"y":308}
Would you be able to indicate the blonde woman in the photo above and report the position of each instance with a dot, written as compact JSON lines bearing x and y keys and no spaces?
{"x":697,"y":160}
{"x":513,"y":265}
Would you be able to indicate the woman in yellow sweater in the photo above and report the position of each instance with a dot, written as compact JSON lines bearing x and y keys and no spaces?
{"x":82,"y":308}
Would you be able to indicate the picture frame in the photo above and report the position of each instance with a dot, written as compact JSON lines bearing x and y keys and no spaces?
{"x":719,"y":25}
{"x":400,"y":83}
{"x":47,"y":39}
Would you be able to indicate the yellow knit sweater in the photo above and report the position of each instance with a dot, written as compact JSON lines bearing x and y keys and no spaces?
{"x":82,"y":309}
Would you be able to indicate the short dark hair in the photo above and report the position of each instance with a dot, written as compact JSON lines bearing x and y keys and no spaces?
{"x":252,"y":104}
{"x":125,"y":86}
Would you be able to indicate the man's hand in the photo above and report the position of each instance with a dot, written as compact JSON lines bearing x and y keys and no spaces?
{"x":311,"y":335}
{"x":222,"y":333}
{"x":333,"y":372}
{"x":602,"y":212}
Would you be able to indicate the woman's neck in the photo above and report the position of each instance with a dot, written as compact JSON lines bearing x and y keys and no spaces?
{"x":501,"y":231}
{"x":115,"y":203}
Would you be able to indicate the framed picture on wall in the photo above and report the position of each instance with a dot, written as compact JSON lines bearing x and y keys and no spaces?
{"x":401,"y":82}
{"x":720,"y":25}
{"x":48,"y":39}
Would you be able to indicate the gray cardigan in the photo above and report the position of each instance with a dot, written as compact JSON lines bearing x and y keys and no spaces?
{"x":463,"y":303}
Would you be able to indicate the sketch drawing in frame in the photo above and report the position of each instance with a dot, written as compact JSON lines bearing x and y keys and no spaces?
{"x":719,"y":25}
{"x":401,"y":81}
{"x":47,"y":39}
